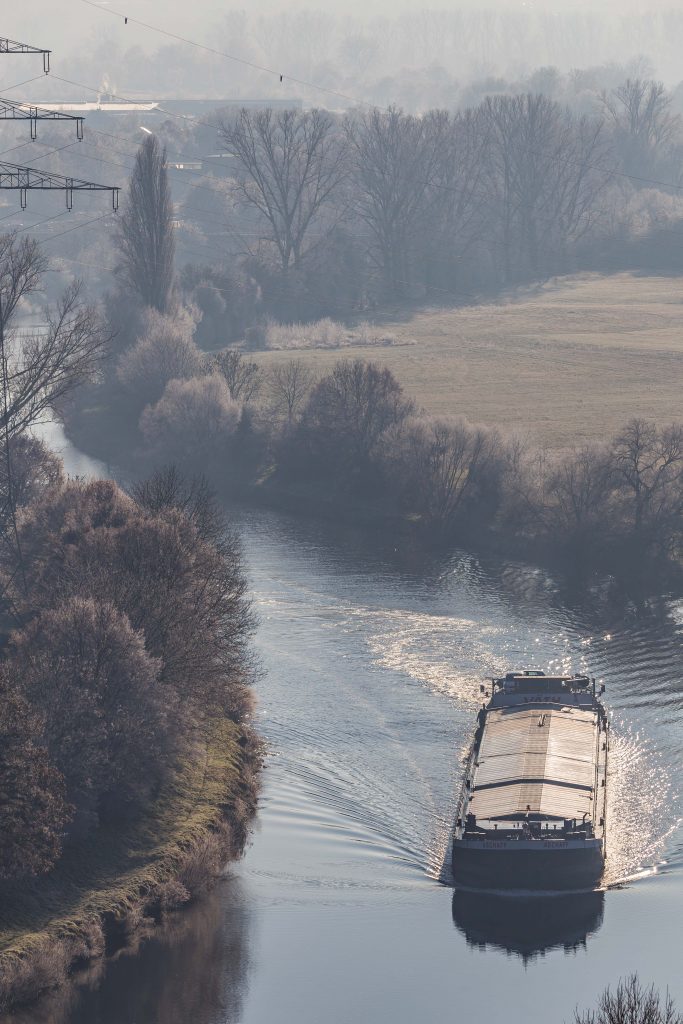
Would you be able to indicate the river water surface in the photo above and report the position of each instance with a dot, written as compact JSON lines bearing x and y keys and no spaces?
{"x":342,"y":909}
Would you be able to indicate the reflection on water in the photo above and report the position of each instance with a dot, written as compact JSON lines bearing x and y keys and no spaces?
{"x":527,"y":926}
{"x":196,"y":966}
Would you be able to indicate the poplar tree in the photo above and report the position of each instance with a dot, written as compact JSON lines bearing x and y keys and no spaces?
{"x":145,"y":238}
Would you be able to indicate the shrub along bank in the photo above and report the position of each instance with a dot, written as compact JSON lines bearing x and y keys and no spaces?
{"x":352,"y":443}
{"x":127,"y":764}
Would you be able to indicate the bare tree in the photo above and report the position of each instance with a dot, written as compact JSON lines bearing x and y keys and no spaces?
{"x":43,"y":368}
{"x":35,"y":468}
{"x":580,"y":491}
{"x":21,"y":268}
{"x":105,"y":714}
{"x":168,"y":488}
{"x":458,"y":201}
{"x":639,"y":112}
{"x":22,"y":265}
{"x":33,"y":808}
{"x":631,"y":1003}
{"x":291,"y":166}
{"x":445,"y":464}
{"x":289,"y":385}
{"x":243,"y":376}
{"x":193,"y":421}
{"x":649,"y":463}
{"x":396,"y":157}
{"x":185,"y":595}
{"x":165,"y":351}
{"x":350,"y":409}
{"x":145,"y":239}
{"x":545,"y":172}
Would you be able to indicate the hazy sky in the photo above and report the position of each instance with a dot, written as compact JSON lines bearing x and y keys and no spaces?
{"x":60,"y":26}
{"x":80,"y":36}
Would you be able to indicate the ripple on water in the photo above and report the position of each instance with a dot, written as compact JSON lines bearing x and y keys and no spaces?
{"x":451,"y":655}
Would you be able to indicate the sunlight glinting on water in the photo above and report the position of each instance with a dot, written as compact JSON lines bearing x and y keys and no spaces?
{"x":452,"y":656}
{"x":639,"y":801}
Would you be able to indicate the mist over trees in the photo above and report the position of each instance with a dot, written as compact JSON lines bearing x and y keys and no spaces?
{"x":298,"y":214}
{"x":418,"y":59}
{"x":342,"y":213}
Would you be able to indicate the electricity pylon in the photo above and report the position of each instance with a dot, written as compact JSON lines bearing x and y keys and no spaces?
{"x":24,"y":179}
{"x":12,"y":46}
{"x":11,"y":111}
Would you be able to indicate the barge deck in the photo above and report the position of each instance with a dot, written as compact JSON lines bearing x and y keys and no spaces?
{"x":532,"y":813}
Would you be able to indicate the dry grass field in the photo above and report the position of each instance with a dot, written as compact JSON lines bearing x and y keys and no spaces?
{"x":565,"y":365}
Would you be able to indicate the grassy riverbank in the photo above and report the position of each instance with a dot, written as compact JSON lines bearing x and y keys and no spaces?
{"x":122,"y":879}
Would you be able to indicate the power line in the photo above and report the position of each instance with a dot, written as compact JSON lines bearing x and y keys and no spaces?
{"x":228,"y":56}
{"x":76,"y":227}
{"x":46,"y":220}
{"x":67,"y":145}
{"x":89,"y":264}
{"x":10,"y":111}
{"x":27,"y":81}
{"x":283,"y":76}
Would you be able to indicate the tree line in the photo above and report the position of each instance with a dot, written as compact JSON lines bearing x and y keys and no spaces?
{"x":328,"y":214}
{"x":354,"y":436}
{"x":124,"y":622}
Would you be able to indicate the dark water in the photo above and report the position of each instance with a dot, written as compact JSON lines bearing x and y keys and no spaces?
{"x":342,"y":909}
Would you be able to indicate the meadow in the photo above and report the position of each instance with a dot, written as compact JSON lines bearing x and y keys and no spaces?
{"x":563,"y":364}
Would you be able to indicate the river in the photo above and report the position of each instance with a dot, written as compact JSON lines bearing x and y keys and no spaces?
{"x":342,"y":908}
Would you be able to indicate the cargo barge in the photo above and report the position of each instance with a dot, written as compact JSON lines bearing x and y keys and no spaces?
{"x":533,"y":809}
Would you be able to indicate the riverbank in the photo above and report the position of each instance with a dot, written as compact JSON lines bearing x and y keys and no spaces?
{"x":416,"y":533}
{"x":95,"y":431}
{"x":121,"y":881}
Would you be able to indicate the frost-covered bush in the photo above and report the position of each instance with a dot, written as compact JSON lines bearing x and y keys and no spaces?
{"x":325,"y":334}
{"x":193,"y":418}
{"x":164,"y":352}
{"x":369,"y":334}
{"x":320,"y":334}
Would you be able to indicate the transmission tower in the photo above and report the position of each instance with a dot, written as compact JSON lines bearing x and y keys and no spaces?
{"x":11,"y":111}
{"x":23,"y":179}
{"x":12,"y":46}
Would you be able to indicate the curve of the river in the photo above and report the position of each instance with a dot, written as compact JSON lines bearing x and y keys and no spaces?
{"x":342,"y":909}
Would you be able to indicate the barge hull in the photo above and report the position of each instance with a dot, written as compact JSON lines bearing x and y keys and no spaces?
{"x":551,"y":870}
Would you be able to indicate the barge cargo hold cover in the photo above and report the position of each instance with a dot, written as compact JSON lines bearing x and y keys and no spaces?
{"x":532,"y":813}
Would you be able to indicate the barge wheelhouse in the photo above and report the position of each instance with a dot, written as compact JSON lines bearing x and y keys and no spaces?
{"x":533,"y":808}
